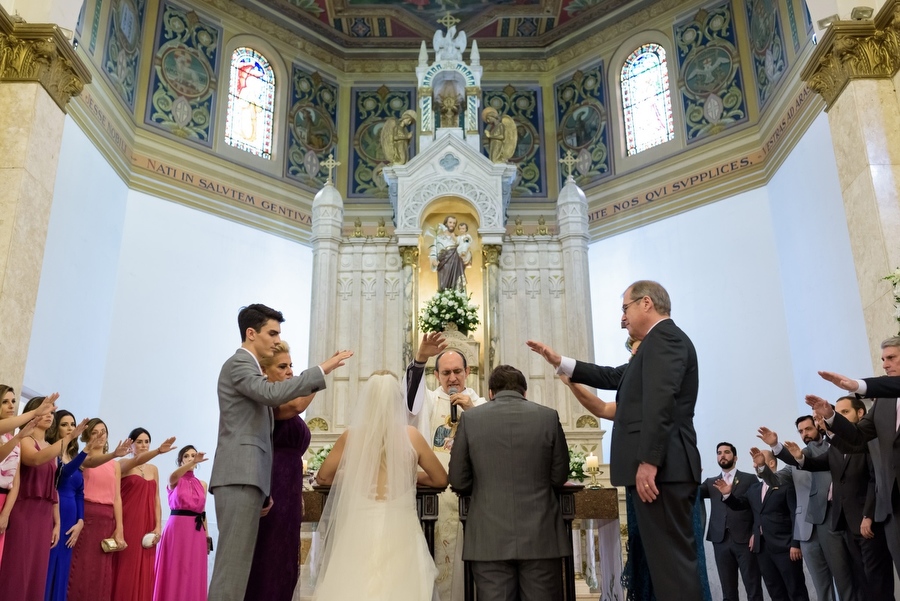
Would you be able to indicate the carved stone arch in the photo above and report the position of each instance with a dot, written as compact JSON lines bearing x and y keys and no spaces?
{"x":479,"y":195}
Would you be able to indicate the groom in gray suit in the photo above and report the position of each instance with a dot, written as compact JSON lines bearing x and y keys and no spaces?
{"x":242,"y":468}
{"x":509,"y":454}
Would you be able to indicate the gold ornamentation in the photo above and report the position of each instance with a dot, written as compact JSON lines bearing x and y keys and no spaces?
{"x":409,"y":255}
{"x":317,"y":423}
{"x":381,"y":232}
{"x":542,"y":227}
{"x":357,"y":228}
{"x":855,"y":50}
{"x":490,"y":253}
{"x":520,"y":231}
{"x":587,"y":421}
{"x":42,"y":54}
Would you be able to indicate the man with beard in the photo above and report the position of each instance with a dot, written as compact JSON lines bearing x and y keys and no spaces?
{"x":827,"y":556}
{"x":730,"y":529}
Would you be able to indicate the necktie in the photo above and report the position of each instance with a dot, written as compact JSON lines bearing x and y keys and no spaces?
{"x":898,"y":415}
{"x":765,"y":489}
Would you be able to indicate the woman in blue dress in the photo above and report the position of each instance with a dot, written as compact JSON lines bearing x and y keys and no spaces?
{"x":70,"y":486}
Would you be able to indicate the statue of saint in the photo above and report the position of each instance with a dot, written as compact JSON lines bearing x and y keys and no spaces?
{"x":448,"y":104}
{"x":395,"y":137}
{"x":449,"y":47}
{"x":501,"y":134}
{"x":445,"y":255}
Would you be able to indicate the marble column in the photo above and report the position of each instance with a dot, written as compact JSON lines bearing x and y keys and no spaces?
{"x":491,"y":256}
{"x":410,"y":257}
{"x":327,"y":221}
{"x":39,"y":74}
{"x":855,"y":69}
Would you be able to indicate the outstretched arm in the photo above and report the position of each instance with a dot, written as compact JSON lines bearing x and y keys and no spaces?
{"x":591,"y":402}
{"x":432,"y":344}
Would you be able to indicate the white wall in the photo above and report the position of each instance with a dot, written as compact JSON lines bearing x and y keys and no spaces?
{"x":764,"y":285}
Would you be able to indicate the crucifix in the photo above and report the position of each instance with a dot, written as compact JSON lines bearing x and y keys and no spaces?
{"x":330,"y":164}
{"x":569,"y":161}
{"x":448,"y":20}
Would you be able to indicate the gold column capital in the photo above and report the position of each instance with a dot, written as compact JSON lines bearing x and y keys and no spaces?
{"x":409,"y":255}
{"x":40,"y":53}
{"x":491,"y":254}
{"x":855,"y":50}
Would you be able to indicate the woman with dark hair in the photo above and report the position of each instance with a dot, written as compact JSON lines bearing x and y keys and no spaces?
{"x":34,"y":520}
{"x":274,"y":575}
{"x":70,"y":488}
{"x":181,"y":564}
{"x":91,"y":571}
{"x":141,"y":520}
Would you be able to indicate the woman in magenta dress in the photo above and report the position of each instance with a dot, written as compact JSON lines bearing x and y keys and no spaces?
{"x":34,"y":520}
{"x":141,"y":515}
{"x":181,"y":563}
{"x":276,"y":559}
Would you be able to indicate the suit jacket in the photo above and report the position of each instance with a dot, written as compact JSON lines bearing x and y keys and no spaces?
{"x":722,"y":517}
{"x":773,"y":517}
{"x":246,"y":398}
{"x":509,"y":454}
{"x":853,"y":484}
{"x":879,"y":422}
{"x":656,"y":395}
{"x":882,"y":386}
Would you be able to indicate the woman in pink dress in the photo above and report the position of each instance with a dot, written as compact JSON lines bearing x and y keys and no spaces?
{"x":34,"y":520}
{"x":181,"y":564}
{"x":90,"y":574}
{"x":141,"y":515}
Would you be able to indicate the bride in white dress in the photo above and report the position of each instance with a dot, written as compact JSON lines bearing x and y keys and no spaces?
{"x":371,"y":544}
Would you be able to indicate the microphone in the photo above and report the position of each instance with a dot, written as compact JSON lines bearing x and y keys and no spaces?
{"x":454,"y":417}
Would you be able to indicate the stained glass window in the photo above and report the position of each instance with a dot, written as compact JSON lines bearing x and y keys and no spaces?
{"x":646,"y":103}
{"x":251,"y":103}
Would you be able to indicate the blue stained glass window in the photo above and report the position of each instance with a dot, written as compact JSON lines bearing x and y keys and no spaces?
{"x":251,"y":103}
{"x":646,"y":104}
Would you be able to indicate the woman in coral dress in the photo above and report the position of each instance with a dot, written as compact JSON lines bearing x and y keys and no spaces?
{"x":141,"y":515}
{"x":276,"y":559}
{"x":34,"y":520}
{"x":181,"y":564}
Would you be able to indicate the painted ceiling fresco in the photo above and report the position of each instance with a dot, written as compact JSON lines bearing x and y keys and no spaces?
{"x":518,"y":24}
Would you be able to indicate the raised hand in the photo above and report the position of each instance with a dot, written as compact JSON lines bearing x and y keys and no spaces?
{"x":552,"y":357}
{"x":759,"y":459}
{"x":794,"y":449}
{"x":723,"y":487}
{"x":123,"y":448}
{"x":76,"y":432}
{"x":335,"y":361}
{"x":432,"y":344}
{"x":47,"y":405}
{"x":848,"y":384}
{"x":199,"y":458}
{"x":167,"y":445}
{"x":767,"y":436}
{"x":27,"y":429}
{"x":94,"y":444}
{"x":822,"y":407}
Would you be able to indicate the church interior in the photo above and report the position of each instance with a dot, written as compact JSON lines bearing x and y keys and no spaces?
{"x":166,"y":162}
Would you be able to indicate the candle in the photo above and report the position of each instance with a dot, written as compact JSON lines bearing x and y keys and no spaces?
{"x":305,"y":466}
{"x":591,"y":462}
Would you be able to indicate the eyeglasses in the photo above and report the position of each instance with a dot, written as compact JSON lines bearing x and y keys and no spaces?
{"x":626,"y":305}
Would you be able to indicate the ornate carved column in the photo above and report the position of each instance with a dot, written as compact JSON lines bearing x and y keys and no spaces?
{"x":491,"y":255}
{"x":39,"y":74}
{"x":327,"y":220}
{"x":855,"y":69}
{"x":410,"y":257}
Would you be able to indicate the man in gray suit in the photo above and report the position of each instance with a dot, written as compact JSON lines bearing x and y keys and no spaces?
{"x":242,"y":468}
{"x":509,"y":454}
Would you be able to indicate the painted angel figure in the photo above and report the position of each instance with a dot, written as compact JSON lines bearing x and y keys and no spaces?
{"x":449,"y":46}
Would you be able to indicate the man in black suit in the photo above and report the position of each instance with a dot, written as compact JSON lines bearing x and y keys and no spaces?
{"x":880,"y":422}
{"x":654,"y":445}
{"x":852,"y":505}
{"x":509,"y":454}
{"x":730,"y":529}
{"x":773,"y":540}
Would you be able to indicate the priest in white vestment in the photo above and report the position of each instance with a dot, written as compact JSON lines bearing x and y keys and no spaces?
{"x":431,"y":412}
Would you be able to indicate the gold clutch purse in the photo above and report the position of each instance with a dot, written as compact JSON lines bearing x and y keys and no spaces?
{"x":109,"y":545}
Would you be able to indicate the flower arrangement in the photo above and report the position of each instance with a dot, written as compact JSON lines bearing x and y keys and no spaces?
{"x":449,"y":306}
{"x":315,"y":461}
{"x":576,"y":465}
{"x":894,"y":279}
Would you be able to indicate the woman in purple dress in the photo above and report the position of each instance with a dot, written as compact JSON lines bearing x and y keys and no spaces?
{"x":181,"y":565}
{"x":276,"y":560}
{"x":34,"y":520}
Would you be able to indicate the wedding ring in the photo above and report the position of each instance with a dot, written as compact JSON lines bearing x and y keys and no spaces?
{"x":646,"y":486}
